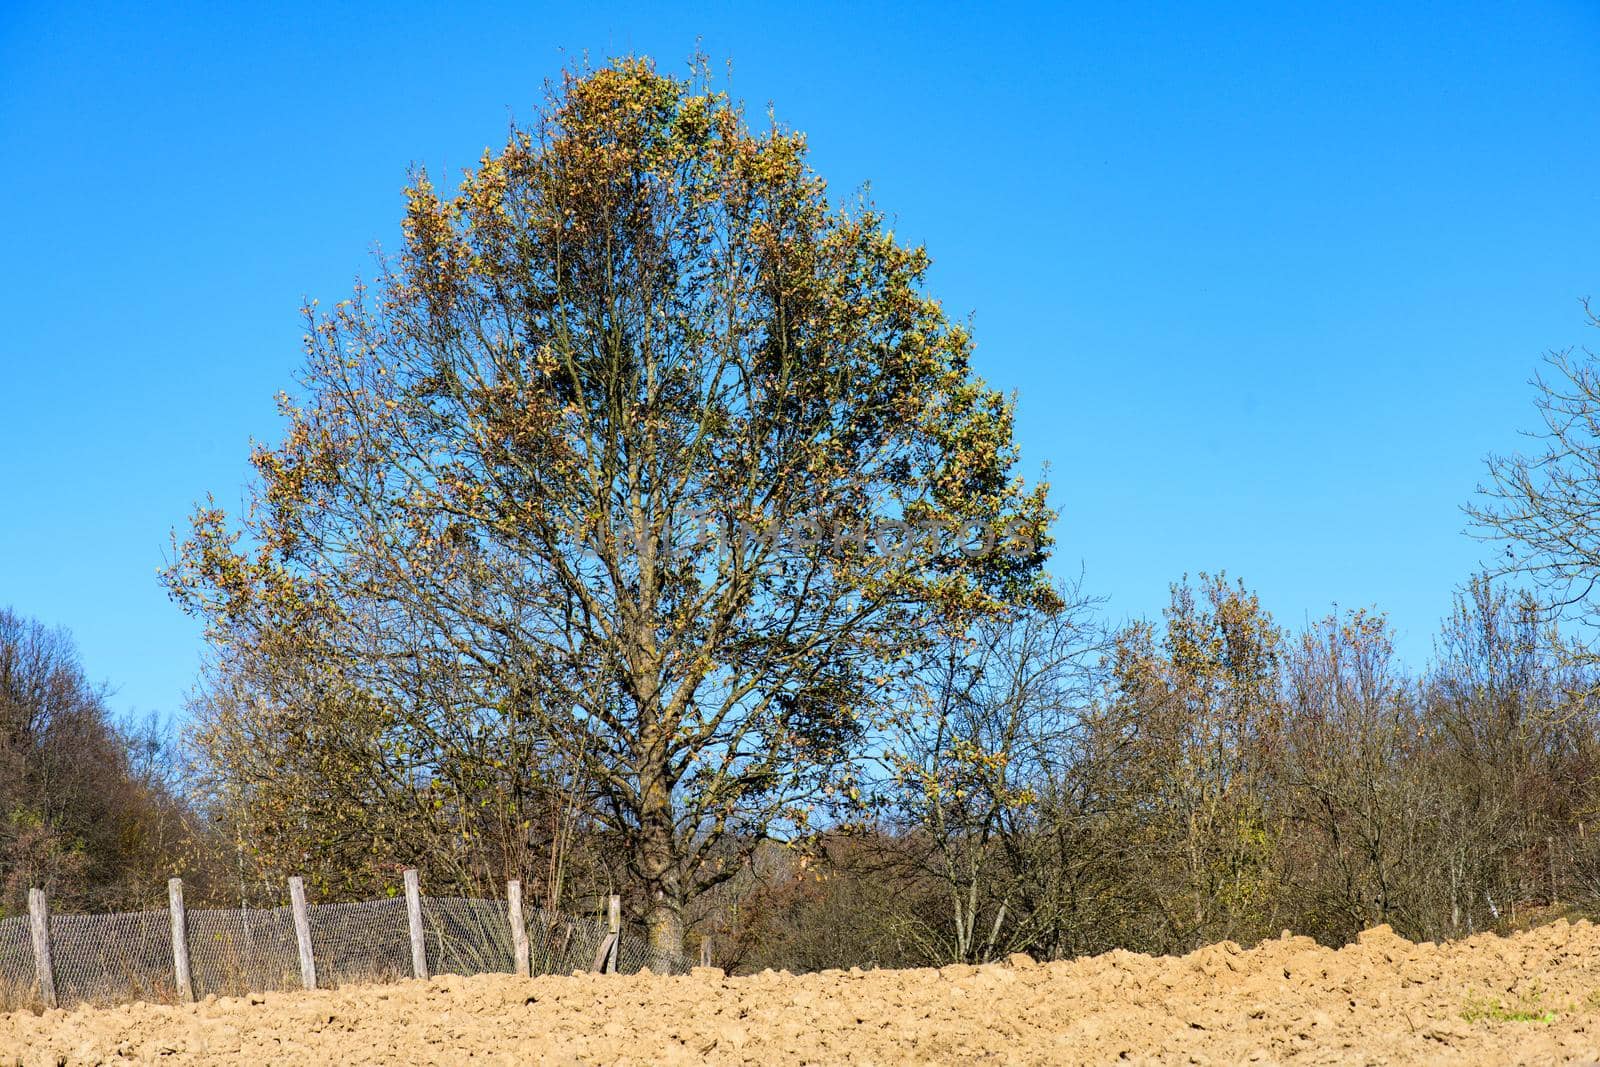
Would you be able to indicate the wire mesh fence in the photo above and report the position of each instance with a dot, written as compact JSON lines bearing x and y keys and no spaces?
{"x":634,"y":954}
{"x":561,"y":944}
{"x":16,"y":962}
{"x":241,"y":950}
{"x":113,"y":957}
{"x":105,"y":959}
{"x":356,"y":943}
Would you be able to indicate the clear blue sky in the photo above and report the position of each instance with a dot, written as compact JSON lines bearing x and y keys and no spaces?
{"x":1269,"y":280}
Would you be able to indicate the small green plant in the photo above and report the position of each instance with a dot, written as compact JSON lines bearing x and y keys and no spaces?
{"x":1527,"y":1009}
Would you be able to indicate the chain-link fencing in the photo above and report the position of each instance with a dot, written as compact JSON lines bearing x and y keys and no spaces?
{"x":105,"y":959}
{"x":112,"y":957}
{"x":233,"y":951}
{"x":16,"y":962}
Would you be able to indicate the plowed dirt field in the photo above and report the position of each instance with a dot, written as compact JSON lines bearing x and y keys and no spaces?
{"x":1530,"y":998}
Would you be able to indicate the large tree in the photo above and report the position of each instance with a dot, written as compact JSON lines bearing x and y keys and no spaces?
{"x":642,"y":450}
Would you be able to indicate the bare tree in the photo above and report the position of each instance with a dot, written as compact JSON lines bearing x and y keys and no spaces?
{"x":1362,"y":834}
{"x":986,"y":729}
{"x":1544,"y":506}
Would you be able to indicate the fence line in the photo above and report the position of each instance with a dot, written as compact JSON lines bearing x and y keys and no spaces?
{"x":179,"y":954}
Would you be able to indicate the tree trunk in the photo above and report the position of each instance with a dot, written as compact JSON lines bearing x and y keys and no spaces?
{"x":660,"y":866}
{"x":664,"y":926}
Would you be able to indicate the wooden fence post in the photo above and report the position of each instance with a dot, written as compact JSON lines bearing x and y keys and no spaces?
{"x":43,"y":964}
{"x":519,"y":929}
{"x":602,"y":958}
{"x":614,"y":920}
{"x":705,"y":951}
{"x":419,"y":946}
{"x":180,"y":940}
{"x":605,"y":960}
{"x":302,"y":932}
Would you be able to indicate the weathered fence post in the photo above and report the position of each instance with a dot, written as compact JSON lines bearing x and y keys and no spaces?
{"x":180,"y":940}
{"x":614,"y":920}
{"x":705,"y":951}
{"x":302,"y":932}
{"x":419,"y":946}
{"x":43,"y":964}
{"x":519,"y":929}
{"x":605,"y":960}
{"x":603,"y":956}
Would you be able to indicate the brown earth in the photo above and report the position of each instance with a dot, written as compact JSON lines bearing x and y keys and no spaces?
{"x":1530,"y":998}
